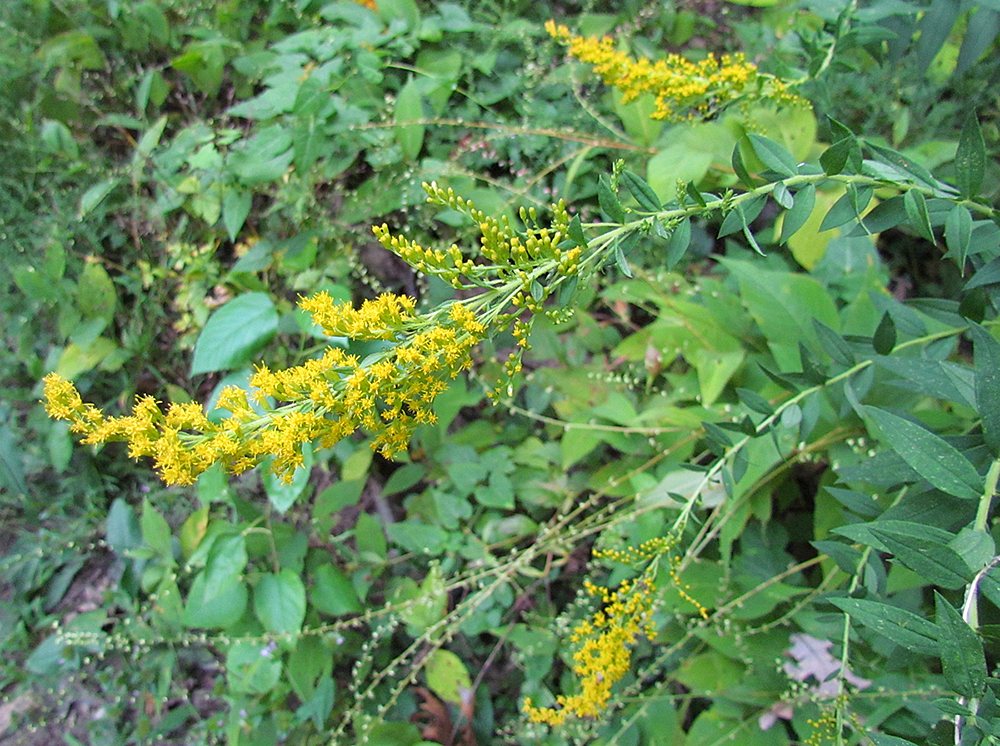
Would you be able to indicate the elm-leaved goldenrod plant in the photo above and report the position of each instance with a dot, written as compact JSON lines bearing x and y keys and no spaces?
{"x":778,"y":431}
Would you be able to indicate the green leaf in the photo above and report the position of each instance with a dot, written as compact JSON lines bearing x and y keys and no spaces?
{"x":904,"y":628}
{"x":929,"y":455}
{"x":96,"y":296}
{"x":935,"y":27}
{"x":280,"y":602}
{"x":958,"y":234}
{"x":575,"y":231}
{"x":283,"y":493}
{"x":772,"y":155}
{"x":409,"y":108}
{"x":981,"y":32}
{"x":987,"y":378}
{"x":692,"y":191}
{"x":448,"y":677}
{"x":155,"y":531}
{"x":678,"y":243}
{"x":739,"y":168}
{"x":833,"y":344}
{"x":884,"y":339}
{"x":320,"y":705}
{"x":93,"y":196}
{"x":610,"y":204}
{"x":620,"y":259}
{"x":333,"y":592}
{"x":253,"y":667}
{"x":642,"y":192}
{"x":916,"y":211}
{"x":235,"y":208}
{"x":903,"y":164}
{"x":235,"y":333}
{"x":755,"y":401}
{"x":970,"y":159}
{"x":962,"y":659}
{"x":834,"y":158}
{"x":925,"y":550}
{"x":212,"y":610}
{"x":783,"y":196}
{"x":882,"y":739}
{"x":11,"y":464}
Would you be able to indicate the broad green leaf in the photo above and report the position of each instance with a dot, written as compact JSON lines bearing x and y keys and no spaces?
{"x":575,"y":231}
{"x":318,"y":707}
{"x":783,"y":196}
{"x":970,"y":159}
{"x":156,"y":532}
{"x":11,"y":464}
{"x":642,"y":192}
{"x":213,"y":610}
{"x":929,"y":455}
{"x":962,"y":659}
{"x":333,"y":592}
{"x":610,"y":204}
{"x":193,"y":530}
{"x":935,"y":27}
{"x":279,"y":600}
{"x":904,"y":628}
{"x":235,"y":208}
{"x":987,"y":378}
{"x":253,"y":667}
{"x":742,"y":214}
{"x":122,"y":529}
{"x":834,"y":158}
{"x":772,"y":155}
{"x":925,"y":550}
{"x":95,"y":296}
{"x":448,"y":677}
{"x":235,"y":333}
{"x":409,"y":108}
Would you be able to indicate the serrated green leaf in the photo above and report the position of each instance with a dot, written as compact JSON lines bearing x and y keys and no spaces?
{"x":772,"y":155}
{"x":987,"y":378}
{"x":642,"y":192}
{"x":962,"y":659}
{"x":610,"y":204}
{"x":678,"y":243}
{"x":970,"y":159}
{"x":235,"y":333}
{"x":929,"y":455}
{"x":904,"y":628}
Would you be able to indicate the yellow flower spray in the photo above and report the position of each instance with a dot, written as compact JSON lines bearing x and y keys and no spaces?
{"x":608,"y":637}
{"x":683,"y":90}
{"x":390,"y":393}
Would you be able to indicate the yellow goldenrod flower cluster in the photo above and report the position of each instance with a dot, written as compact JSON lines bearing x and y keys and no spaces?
{"x":605,"y":655}
{"x":683,"y":90}
{"x":389,"y":394}
{"x":322,"y":400}
{"x":653,"y":550}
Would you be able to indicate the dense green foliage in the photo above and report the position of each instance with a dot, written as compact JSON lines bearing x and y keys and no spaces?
{"x":786,"y":376}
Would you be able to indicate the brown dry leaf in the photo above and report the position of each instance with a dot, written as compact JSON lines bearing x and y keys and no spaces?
{"x":435,"y":722}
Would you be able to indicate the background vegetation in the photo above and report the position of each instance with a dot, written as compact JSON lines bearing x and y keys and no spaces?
{"x":812,"y":434}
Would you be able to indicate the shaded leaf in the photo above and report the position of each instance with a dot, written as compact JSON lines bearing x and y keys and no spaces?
{"x":904,"y":628}
{"x":929,"y":455}
{"x":642,"y":192}
{"x":987,"y":378}
{"x":970,"y":159}
{"x":962,"y":659}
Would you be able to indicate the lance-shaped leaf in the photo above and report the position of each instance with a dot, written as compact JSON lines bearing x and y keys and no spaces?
{"x":987,"y":378}
{"x":904,"y":628}
{"x":933,"y":458}
{"x":970,"y":159}
{"x":925,"y":550}
{"x":962,"y":660}
{"x":642,"y":192}
{"x":610,"y":204}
